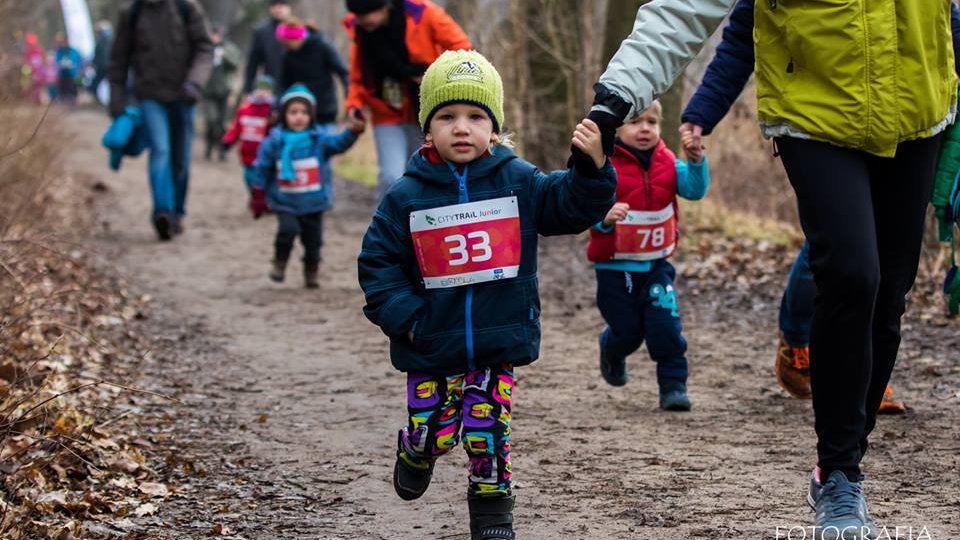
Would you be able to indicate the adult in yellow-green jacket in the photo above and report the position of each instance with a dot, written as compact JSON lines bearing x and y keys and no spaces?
{"x":855,"y":94}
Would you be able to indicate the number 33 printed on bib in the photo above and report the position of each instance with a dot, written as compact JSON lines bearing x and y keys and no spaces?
{"x":646,"y":236}
{"x":467,"y":243}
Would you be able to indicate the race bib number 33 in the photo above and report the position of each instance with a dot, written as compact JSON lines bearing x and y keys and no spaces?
{"x":467,"y":243}
{"x":646,"y":236}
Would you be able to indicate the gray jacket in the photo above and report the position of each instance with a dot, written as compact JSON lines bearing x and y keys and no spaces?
{"x":666,"y":36}
{"x":165,"y":51}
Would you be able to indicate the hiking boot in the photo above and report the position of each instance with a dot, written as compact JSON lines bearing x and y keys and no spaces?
{"x":162,"y":222}
{"x":889,"y":404}
{"x":675,"y":399}
{"x":311,"y":273}
{"x":613,"y":369}
{"x":491,"y":518}
{"x":793,"y":369}
{"x":841,"y":509}
{"x":410,"y":478}
{"x":278,"y":270}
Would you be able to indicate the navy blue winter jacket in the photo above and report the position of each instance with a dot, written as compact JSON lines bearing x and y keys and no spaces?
{"x":733,"y":63}
{"x":327,"y":142}
{"x":473,"y":326}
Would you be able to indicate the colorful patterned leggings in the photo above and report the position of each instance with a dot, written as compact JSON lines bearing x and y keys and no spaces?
{"x":479,"y":402}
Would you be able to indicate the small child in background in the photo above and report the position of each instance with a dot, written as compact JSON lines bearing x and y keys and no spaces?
{"x":449,"y":270}
{"x":292,"y":174}
{"x":252,"y":124}
{"x":630,"y":247}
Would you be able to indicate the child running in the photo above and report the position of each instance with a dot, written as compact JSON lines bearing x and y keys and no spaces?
{"x":630,"y":247}
{"x":449,"y":270}
{"x":293,"y":175}
{"x":251,"y":125}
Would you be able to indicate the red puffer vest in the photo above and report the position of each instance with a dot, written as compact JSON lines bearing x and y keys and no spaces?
{"x":649,"y":190}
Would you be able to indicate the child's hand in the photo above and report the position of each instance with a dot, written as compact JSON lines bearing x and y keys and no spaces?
{"x":357,"y":121}
{"x":617,"y":213}
{"x":691,"y":141}
{"x":586,"y":137}
{"x":410,"y":336}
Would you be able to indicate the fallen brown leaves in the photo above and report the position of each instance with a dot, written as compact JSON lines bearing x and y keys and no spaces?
{"x":69,"y":345}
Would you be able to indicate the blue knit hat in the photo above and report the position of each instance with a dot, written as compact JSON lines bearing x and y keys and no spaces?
{"x":298,"y":91}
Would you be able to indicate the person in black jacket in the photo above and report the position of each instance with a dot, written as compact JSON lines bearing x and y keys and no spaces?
{"x":312,"y":61}
{"x":265,"y":50}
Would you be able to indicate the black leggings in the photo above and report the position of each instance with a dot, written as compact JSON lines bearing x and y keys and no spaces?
{"x":863,"y":216}
{"x":309,"y":227}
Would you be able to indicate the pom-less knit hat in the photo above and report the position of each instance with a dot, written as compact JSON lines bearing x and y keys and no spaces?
{"x":298,"y":91}
{"x":461,"y":77}
{"x":362,"y":7}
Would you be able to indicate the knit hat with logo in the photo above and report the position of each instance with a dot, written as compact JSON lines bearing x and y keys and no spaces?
{"x":461,"y":77}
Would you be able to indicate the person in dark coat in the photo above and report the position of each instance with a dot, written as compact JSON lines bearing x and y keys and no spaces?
{"x":265,"y":51}
{"x":166,"y":44}
{"x":312,"y":61}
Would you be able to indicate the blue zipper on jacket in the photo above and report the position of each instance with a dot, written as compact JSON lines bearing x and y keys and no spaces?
{"x":468,"y":302}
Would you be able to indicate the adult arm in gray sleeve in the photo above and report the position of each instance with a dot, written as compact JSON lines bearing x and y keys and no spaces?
{"x":666,"y":36}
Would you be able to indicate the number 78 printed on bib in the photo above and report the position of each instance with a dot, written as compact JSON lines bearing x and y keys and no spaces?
{"x":468,"y":243}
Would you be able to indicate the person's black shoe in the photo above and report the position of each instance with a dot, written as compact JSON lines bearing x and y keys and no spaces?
{"x":491,"y":518}
{"x":410,"y":480}
{"x":161,"y":222}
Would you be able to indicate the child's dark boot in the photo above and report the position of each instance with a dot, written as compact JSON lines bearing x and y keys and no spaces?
{"x":278,"y":270}
{"x":673,"y":396}
{"x":491,"y":518}
{"x":411,"y":478}
{"x":311,"y":273}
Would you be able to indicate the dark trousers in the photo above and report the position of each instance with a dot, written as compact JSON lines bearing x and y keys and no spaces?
{"x":642,"y":306}
{"x":309,"y":227}
{"x":863,"y":217}
{"x":796,"y":306}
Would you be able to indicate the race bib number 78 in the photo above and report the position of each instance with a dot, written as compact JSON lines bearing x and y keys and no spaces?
{"x":468,"y":243}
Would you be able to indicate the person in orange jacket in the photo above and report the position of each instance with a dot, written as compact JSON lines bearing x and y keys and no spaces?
{"x":393,"y":43}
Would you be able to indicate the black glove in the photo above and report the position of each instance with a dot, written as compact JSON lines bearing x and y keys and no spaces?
{"x":608,"y":125}
{"x":192,"y":92}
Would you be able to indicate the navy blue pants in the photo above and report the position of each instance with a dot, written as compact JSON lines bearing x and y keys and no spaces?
{"x":796,"y":306}
{"x":642,"y":306}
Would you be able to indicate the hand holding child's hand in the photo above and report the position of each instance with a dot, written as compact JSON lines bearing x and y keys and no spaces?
{"x":586,"y":137}
{"x":357,"y":121}
{"x":690,"y":138}
{"x":617,"y":213}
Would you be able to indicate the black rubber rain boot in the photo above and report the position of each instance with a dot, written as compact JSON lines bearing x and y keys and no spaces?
{"x":491,"y":518}
{"x":408,"y":481}
{"x":278,"y":270}
{"x":311,"y":275}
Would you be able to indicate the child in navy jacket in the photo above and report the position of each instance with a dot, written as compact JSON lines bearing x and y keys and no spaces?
{"x":449,"y":270}
{"x":293,"y":175}
{"x":630,"y":247}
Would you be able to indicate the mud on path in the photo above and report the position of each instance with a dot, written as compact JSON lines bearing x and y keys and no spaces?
{"x":291,"y":406}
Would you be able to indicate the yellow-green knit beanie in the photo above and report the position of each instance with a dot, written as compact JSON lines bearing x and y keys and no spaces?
{"x":461,"y":77}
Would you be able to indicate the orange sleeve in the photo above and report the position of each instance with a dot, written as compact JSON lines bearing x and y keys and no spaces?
{"x":446,"y":33}
{"x":356,"y":92}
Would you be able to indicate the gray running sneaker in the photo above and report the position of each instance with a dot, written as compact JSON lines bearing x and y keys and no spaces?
{"x":841,"y":509}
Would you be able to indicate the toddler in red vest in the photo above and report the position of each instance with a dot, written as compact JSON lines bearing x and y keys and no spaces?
{"x":630,"y":248}
{"x":252,"y":124}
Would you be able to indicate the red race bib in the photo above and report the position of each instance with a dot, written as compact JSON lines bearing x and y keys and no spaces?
{"x":252,"y":128}
{"x":646,"y":236}
{"x":467,"y":243}
{"x":307,"y":180}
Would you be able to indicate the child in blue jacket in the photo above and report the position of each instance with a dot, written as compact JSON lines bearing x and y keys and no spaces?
{"x":449,"y":270}
{"x":293,"y":178}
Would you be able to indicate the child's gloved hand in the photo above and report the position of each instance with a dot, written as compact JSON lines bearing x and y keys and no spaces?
{"x":617,"y":213}
{"x":587,"y":139}
{"x":258,"y":203}
{"x":690,"y":138}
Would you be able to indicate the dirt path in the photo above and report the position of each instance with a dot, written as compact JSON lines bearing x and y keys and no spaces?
{"x":293,"y":406}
